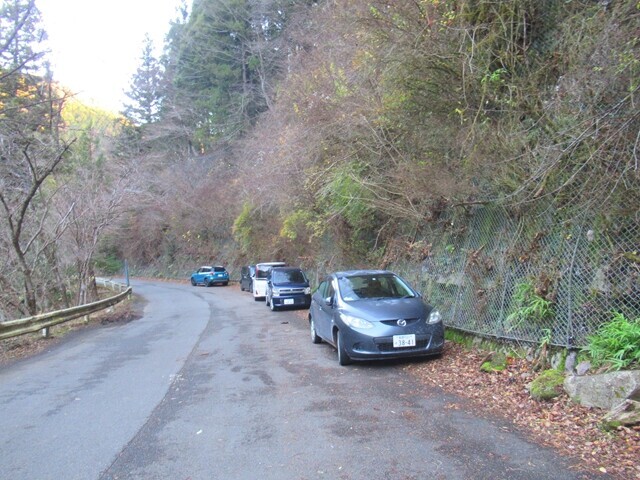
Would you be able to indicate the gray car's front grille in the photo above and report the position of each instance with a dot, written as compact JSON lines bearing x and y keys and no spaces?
{"x":394,"y":322}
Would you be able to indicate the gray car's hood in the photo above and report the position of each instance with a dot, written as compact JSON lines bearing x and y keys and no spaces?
{"x":386,"y":309}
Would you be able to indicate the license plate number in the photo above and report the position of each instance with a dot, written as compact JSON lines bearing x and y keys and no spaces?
{"x":288,"y":301}
{"x":400,"y":341}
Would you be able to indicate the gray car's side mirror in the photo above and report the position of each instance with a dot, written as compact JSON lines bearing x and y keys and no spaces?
{"x":329,"y":301}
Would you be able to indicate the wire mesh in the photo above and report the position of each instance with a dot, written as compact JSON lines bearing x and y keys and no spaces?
{"x":532,"y":279}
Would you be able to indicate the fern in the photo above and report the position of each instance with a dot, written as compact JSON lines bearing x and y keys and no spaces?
{"x":616,"y":344}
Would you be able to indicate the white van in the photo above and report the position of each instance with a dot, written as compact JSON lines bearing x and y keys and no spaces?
{"x":260,"y":278}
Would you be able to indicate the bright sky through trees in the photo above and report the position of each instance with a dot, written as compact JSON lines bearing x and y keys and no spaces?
{"x":96,"y":45}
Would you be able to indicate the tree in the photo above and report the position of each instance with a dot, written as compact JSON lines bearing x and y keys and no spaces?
{"x":20,"y":36}
{"x":223,"y":63}
{"x":31,"y":152}
{"x":146,"y":89}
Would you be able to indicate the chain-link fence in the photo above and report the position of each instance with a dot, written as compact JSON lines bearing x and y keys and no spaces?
{"x":531,"y":279}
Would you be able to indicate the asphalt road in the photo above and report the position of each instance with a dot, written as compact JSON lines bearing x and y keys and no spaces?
{"x":212,"y":385}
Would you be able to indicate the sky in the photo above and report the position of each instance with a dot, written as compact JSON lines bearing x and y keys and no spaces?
{"x":96,"y":45}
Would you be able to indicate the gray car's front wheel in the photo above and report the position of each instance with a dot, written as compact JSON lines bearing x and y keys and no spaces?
{"x":312,"y":328}
{"x":343,"y":357}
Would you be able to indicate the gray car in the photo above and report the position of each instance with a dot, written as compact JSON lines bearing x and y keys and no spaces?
{"x":374,"y":314}
{"x":246,"y":277}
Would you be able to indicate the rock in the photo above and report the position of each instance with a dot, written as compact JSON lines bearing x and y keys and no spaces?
{"x":531,"y":355}
{"x":583,"y":368}
{"x":548,"y":385}
{"x":494,"y":362}
{"x":605,"y":390}
{"x":570,"y":361}
{"x":626,"y":414}
{"x":556,"y":360}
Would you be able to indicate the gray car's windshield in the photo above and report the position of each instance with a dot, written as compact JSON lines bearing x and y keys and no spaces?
{"x":359,"y":287}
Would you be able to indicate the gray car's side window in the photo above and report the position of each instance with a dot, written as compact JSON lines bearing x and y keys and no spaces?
{"x":330,"y":293}
{"x":322,"y":288}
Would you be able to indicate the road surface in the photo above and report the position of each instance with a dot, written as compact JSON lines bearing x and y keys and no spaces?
{"x":210,"y":384}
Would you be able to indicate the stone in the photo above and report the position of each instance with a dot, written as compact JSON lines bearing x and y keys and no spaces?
{"x":570,"y":361}
{"x":556,"y":360}
{"x":626,"y":414}
{"x":547,"y":385}
{"x":494,"y":362}
{"x":583,"y":368}
{"x":605,"y":390}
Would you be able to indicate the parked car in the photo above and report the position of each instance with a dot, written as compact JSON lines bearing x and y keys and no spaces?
{"x":246,"y":278}
{"x":287,"y":287}
{"x":259,"y":287}
{"x":209,"y":276}
{"x":374,"y":314}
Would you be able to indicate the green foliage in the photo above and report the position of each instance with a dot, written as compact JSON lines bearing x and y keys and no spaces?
{"x":108,"y":264}
{"x":458,"y":337}
{"x":529,"y":306}
{"x":242,"y":228}
{"x":346,"y":196}
{"x":301,"y":223}
{"x":616,"y":344}
{"x":547,"y":385}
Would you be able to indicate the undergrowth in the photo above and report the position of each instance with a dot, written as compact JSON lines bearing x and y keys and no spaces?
{"x":616,"y":344}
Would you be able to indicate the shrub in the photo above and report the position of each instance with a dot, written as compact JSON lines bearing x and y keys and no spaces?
{"x":616,"y":344}
{"x":529,"y":306}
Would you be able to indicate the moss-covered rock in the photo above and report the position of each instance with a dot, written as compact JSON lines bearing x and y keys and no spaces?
{"x":548,"y":385}
{"x":495,"y":362}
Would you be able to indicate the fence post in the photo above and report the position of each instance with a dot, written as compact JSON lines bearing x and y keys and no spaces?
{"x":570,"y":340}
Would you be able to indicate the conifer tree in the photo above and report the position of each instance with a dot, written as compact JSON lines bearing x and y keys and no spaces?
{"x":146,"y":91}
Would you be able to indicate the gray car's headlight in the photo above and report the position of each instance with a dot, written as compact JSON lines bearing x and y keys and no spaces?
{"x":434,"y":317}
{"x":356,"y":322}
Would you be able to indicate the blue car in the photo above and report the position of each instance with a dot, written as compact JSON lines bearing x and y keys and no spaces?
{"x":209,"y":276}
{"x":373,"y":315}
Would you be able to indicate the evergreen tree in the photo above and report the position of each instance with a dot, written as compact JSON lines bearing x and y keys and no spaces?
{"x":21,"y":35}
{"x":226,"y":55}
{"x":146,"y":89}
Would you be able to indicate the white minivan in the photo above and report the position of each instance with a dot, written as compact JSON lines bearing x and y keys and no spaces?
{"x":260,"y":278}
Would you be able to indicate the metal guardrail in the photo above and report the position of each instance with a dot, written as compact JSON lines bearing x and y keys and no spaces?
{"x":103,"y":282}
{"x":13,"y":328}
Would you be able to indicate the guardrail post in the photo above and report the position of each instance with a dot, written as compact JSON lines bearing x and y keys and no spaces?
{"x":45,"y":332}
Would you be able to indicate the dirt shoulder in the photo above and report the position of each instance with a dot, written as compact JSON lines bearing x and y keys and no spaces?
{"x":571,"y":429}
